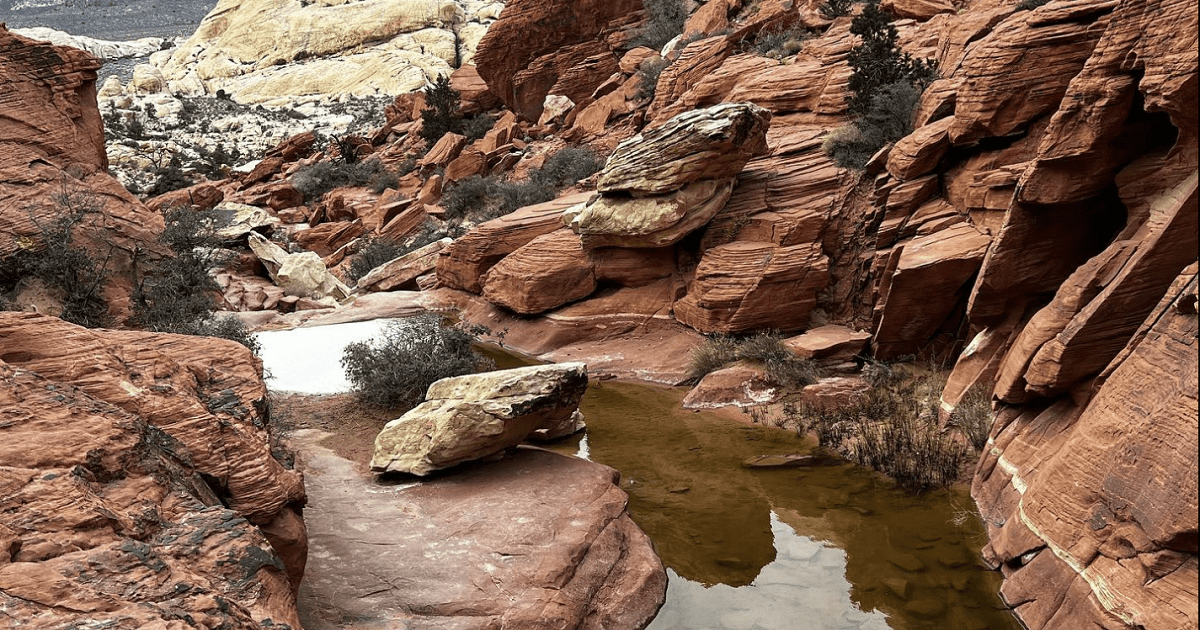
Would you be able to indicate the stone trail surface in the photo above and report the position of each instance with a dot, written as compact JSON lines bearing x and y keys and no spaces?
{"x":535,"y":541}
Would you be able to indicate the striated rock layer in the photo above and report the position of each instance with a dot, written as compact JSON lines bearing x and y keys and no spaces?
{"x":52,"y":163}
{"x":138,"y":482}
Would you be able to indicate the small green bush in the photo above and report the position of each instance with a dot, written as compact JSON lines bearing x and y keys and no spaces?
{"x":481,"y":198}
{"x":441,"y":114}
{"x":887,"y":120}
{"x":664,"y":22}
{"x":63,"y":265}
{"x":834,"y":9}
{"x":395,"y":369}
{"x":317,"y":179}
{"x":1029,"y":5}
{"x":878,"y":62}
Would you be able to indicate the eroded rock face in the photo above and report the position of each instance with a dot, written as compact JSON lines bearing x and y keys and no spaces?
{"x":52,"y":163}
{"x":139,"y":482}
{"x":1091,"y":504}
{"x":536,"y":42}
{"x":469,"y":417}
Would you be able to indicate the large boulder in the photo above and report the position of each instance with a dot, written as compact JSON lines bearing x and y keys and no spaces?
{"x":139,"y":482}
{"x":302,"y":275}
{"x":711,"y":143}
{"x":469,"y":417}
{"x":536,"y":541}
{"x":403,"y":270}
{"x":610,"y":221}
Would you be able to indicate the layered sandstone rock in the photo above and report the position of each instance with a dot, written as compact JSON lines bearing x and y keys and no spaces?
{"x":470,"y":417}
{"x":746,"y":286}
{"x":712,"y":143}
{"x":270,"y":51}
{"x":536,"y":44}
{"x":657,"y":221}
{"x":403,"y":270}
{"x":140,"y":484}
{"x":53,"y":164}
{"x":464,"y":262}
{"x":1091,"y":502}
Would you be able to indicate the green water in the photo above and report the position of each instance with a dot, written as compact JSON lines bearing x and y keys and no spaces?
{"x":812,"y":548}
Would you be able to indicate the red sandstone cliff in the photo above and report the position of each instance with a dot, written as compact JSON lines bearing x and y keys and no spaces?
{"x":51,"y":147}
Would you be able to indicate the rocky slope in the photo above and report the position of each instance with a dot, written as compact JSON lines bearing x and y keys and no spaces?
{"x":138,"y":484}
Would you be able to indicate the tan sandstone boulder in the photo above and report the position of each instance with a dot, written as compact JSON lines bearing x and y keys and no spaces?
{"x":469,"y":417}
{"x":301,"y":275}
{"x":657,"y":221}
{"x":711,"y":143}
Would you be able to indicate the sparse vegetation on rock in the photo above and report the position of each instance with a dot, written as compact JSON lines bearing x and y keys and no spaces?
{"x":765,"y":348}
{"x":481,"y":198}
{"x":62,"y":265}
{"x":885,"y":87}
{"x":442,"y":114}
{"x":892,"y":428}
{"x":177,"y":294}
{"x":664,"y":22}
{"x":317,"y":179}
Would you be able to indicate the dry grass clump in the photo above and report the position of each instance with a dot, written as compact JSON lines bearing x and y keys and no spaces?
{"x":764,"y":348}
{"x":892,"y":428}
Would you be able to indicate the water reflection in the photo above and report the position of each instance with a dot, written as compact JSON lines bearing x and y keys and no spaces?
{"x":804,"y":588}
{"x":308,"y":360}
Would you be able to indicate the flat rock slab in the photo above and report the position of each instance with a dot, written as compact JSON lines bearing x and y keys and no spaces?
{"x":535,"y":540}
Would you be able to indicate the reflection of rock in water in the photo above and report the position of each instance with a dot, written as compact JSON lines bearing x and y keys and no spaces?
{"x":718,"y":531}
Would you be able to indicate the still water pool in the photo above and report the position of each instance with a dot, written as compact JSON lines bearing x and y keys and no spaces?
{"x":831,"y":547}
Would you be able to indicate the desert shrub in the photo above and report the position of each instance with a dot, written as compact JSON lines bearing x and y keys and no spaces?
{"x":878,"y":62}
{"x":315,"y":180}
{"x":833,"y":9}
{"x":177,"y":294}
{"x":396,"y":368}
{"x":887,"y":120}
{"x":780,"y":42}
{"x":651,"y":70}
{"x":1029,"y":5}
{"x":441,"y":115}
{"x":376,"y":252}
{"x":481,"y":198}
{"x":476,"y":127}
{"x":63,"y":265}
{"x":973,"y":415}
{"x":714,"y":353}
{"x":764,"y":348}
{"x":664,"y":22}
{"x":169,"y":177}
{"x":382,"y":180}
{"x":892,"y":429}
